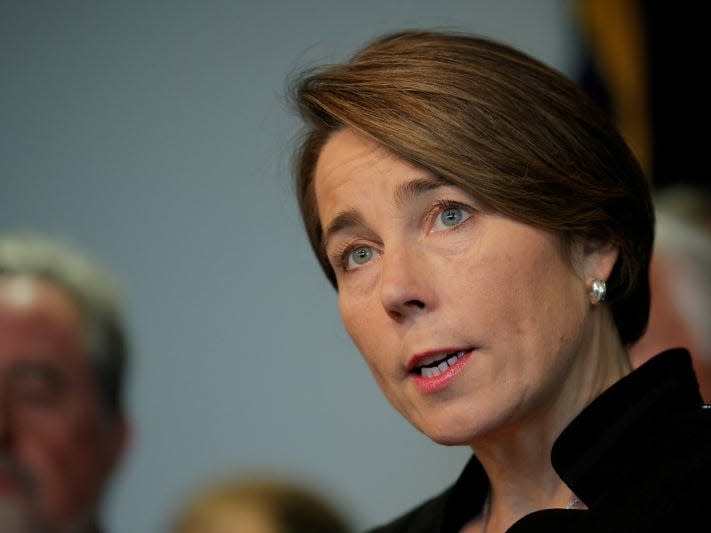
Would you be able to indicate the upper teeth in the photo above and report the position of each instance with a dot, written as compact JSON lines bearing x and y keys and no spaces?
{"x":441,"y":366}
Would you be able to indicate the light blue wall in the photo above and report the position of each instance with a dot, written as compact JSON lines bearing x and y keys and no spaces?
{"x":157,"y":135}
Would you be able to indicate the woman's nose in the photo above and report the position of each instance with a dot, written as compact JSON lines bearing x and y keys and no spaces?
{"x":405,"y":284}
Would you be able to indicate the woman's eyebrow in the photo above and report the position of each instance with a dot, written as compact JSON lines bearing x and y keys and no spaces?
{"x":416,"y":187}
{"x":344,"y":220}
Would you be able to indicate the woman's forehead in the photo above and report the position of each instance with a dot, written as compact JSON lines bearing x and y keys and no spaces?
{"x":346,"y":152}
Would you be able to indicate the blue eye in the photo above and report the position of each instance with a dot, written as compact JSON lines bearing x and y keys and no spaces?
{"x":452,"y":216}
{"x":360,"y":256}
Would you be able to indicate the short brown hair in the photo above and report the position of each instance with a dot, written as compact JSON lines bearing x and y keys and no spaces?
{"x":516,"y":134}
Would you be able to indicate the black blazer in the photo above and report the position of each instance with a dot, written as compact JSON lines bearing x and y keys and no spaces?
{"x":639,"y":457}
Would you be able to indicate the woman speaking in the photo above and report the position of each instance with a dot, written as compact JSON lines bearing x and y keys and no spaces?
{"x":489,"y":234}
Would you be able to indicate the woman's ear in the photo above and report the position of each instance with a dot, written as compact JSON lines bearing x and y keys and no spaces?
{"x":598,"y":260}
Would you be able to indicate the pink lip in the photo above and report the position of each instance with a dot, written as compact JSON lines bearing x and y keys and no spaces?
{"x":436,"y":383}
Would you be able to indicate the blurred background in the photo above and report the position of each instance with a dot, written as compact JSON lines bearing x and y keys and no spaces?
{"x":158,"y":135}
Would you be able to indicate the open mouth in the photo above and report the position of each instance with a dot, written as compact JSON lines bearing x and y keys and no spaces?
{"x":433,"y":367}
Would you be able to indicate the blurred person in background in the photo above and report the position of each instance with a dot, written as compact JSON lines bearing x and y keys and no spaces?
{"x":63,"y":351}
{"x":258,"y":504}
{"x":680,"y":278}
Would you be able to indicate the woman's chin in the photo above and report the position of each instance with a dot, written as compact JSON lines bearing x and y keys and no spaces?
{"x":447,"y":435}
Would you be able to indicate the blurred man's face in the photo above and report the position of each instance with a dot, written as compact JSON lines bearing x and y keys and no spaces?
{"x":57,"y":445}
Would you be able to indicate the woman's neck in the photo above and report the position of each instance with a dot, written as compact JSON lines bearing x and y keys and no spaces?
{"x":517,"y":458}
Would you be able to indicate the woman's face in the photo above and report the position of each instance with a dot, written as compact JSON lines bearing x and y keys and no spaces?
{"x":468,"y":320}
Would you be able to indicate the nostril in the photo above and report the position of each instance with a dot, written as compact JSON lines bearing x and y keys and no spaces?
{"x":404,"y":309}
{"x":401,"y":311}
{"x":395,"y":315}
